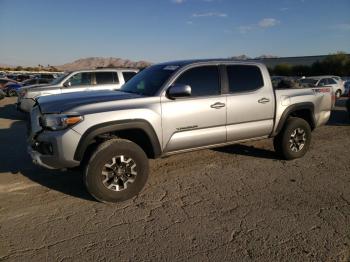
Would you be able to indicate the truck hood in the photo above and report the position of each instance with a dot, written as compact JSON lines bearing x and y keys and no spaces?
{"x":66,"y":102}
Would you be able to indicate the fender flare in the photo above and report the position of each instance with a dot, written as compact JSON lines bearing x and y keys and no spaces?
{"x":114,"y":126}
{"x":292,"y":108}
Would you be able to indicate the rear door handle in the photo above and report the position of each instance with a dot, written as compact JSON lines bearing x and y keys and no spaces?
{"x":217,"y":105}
{"x":263,"y":100}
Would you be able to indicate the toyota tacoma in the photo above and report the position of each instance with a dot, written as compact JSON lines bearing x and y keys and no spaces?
{"x":167,"y":109}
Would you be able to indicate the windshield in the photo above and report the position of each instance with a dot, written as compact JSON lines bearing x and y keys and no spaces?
{"x":57,"y":80}
{"x":28,"y":82}
{"x":150,"y":80}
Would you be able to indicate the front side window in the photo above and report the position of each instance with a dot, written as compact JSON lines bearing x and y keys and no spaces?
{"x":80,"y":79}
{"x":244,"y":78}
{"x":204,"y":80}
{"x":323,"y":82}
{"x":106,"y":78}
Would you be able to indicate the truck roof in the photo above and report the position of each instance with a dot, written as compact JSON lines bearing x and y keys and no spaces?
{"x":105,"y":69}
{"x":212,"y":60}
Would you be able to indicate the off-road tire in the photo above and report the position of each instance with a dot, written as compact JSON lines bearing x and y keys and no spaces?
{"x":282,"y":142}
{"x":93,"y":178}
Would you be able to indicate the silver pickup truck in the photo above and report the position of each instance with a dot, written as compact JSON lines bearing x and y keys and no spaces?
{"x":76,"y":81}
{"x":167,"y":109}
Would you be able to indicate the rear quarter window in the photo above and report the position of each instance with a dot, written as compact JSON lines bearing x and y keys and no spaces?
{"x":244,"y":78}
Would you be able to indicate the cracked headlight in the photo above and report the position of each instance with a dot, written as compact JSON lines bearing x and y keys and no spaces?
{"x":59,"y":122}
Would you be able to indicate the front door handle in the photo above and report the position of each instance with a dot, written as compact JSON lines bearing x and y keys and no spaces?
{"x":217,"y":105}
{"x":263,"y":100}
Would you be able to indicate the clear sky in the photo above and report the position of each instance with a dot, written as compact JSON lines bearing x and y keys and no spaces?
{"x":60,"y":31}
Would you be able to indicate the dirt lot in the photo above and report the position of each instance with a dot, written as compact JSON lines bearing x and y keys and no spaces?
{"x":238,"y":203}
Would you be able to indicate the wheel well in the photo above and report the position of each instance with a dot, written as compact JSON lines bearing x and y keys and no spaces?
{"x":305,"y":114}
{"x":138,"y":136}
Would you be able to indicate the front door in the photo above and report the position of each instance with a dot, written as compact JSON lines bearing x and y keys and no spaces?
{"x":198,"y":120}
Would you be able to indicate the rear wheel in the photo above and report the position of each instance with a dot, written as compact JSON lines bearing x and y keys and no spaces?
{"x":338,"y":94}
{"x":294,"y":139}
{"x":117,"y":171}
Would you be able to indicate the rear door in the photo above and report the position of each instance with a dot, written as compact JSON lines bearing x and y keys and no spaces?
{"x":105,"y":80}
{"x":198,"y":120}
{"x":250,"y":103}
{"x":77,"y":82}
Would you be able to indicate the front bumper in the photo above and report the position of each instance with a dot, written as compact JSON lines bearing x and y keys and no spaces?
{"x":51,"y":149}
{"x":37,"y":158}
{"x":54,"y":149}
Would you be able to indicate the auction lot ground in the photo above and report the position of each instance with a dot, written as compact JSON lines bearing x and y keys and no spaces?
{"x":238,"y":203}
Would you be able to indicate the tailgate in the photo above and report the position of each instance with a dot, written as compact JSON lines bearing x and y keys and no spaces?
{"x":327,"y":97}
{"x":324,"y":104}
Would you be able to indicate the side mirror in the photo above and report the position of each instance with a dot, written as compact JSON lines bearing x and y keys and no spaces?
{"x":67,"y":84}
{"x":179,"y":90}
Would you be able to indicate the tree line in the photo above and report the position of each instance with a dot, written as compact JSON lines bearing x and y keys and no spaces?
{"x":38,"y":68}
{"x":334,"y":64}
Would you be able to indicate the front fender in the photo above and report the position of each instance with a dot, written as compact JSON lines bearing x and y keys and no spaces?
{"x":113,"y":126}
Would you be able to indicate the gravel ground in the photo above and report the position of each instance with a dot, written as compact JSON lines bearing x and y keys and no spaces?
{"x":237,"y":203}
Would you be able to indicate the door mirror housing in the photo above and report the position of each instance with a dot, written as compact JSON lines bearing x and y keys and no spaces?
{"x":179,"y":90}
{"x":67,"y":84}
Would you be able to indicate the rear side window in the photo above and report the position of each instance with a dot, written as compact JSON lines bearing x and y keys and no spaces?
{"x":106,"y":78}
{"x":204,"y":80}
{"x":128,"y":75}
{"x":331,"y":81}
{"x":244,"y":78}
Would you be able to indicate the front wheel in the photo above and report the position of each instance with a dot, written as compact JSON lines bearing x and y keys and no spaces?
{"x":294,"y":139}
{"x":117,"y":171}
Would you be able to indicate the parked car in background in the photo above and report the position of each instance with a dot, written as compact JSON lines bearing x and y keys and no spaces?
{"x":319,"y":81}
{"x":4,"y":81}
{"x":167,"y":109}
{"x":2,"y":94}
{"x":12,"y":89}
{"x":22,"y":77}
{"x":46,"y":76}
{"x":36,"y":81}
{"x":82,"y":80}
{"x":348,"y":104}
{"x":12,"y":76}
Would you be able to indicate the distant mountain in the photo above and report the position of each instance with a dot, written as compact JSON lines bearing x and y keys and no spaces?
{"x":266,"y":56}
{"x":96,"y":62}
{"x":240,"y":57}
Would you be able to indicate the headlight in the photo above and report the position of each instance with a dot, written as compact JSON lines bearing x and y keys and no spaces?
{"x":60,"y":122}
